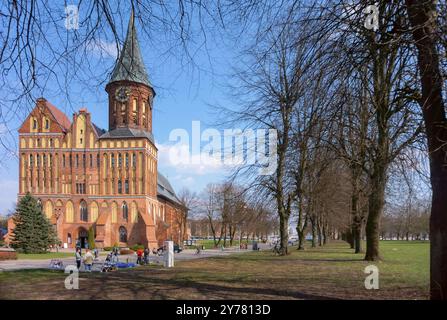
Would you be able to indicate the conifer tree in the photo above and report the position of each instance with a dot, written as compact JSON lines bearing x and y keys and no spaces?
{"x":33,"y":232}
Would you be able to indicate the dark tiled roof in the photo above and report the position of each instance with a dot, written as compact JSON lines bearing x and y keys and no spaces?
{"x":165,"y":190}
{"x":98,"y":130}
{"x":130,"y":65}
{"x":127,"y":133}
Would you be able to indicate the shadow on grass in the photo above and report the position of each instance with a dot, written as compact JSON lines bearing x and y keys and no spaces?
{"x":160,"y":288}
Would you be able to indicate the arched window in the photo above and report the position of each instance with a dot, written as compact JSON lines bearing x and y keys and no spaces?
{"x":69,"y":240}
{"x":69,"y":212}
{"x":83,"y":211}
{"x":123,"y":234}
{"x":126,"y":186}
{"x":125,"y":211}
{"x":120,"y":186}
{"x":127,"y":160}
{"x":112,"y":160}
{"x":120,"y":160}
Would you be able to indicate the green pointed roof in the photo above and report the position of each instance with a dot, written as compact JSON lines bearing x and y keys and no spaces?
{"x":130,"y":65}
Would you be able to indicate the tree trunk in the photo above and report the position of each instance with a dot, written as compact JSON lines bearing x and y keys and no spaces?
{"x":376,"y":203}
{"x":314,"y":231}
{"x":284,"y":234}
{"x":421,"y":15}
{"x":301,"y":225}
{"x":301,"y":239}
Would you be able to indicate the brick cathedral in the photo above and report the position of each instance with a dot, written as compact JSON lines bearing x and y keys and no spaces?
{"x":88,"y":177}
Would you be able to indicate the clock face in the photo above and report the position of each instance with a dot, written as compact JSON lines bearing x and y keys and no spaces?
{"x":122,"y":94}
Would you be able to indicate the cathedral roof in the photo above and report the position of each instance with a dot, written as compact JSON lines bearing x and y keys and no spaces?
{"x":58,"y":115}
{"x":126,"y":132}
{"x":165,"y":190}
{"x":130,"y":66}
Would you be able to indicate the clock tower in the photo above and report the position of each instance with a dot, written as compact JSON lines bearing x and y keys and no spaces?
{"x":130,"y":91}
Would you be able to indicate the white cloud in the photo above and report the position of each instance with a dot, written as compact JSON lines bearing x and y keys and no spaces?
{"x":178,"y":157}
{"x":102,"y":48}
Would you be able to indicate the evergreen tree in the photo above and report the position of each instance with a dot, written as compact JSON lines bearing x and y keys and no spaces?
{"x":33,"y":232}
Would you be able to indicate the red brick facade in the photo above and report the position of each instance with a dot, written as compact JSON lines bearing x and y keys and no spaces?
{"x":86,"y":177}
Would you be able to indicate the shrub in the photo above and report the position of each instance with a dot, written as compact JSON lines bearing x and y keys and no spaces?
{"x":136,"y":247}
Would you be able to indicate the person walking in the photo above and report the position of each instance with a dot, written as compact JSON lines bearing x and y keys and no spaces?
{"x":78,"y":258}
{"x":140,"y":256}
{"x":88,"y":260}
{"x":146,"y":255}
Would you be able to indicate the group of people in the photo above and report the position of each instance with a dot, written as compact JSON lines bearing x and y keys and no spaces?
{"x":91,"y":255}
{"x":143,"y":256}
{"x":88,"y":258}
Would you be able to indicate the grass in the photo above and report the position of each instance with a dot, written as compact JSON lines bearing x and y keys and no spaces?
{"x":209,"y":244}
{"x":41,"y":256}
{"x":330,"y":272}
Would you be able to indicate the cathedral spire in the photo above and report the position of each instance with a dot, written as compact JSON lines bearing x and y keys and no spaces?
{"x":130,"y":66}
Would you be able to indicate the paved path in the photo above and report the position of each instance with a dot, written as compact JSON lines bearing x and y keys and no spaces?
{"x":188,"y":254}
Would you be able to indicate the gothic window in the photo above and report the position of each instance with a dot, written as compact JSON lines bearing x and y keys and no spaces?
{"x":126,"y":186}
{"x":135,"y":111}
{"x":120,"y":160}
{"x":112,"y":160}
{"x":47,"y":124}
{"x":125,"y":211}
{"x":97,"y":160}
{"x":127,"y":160}
{"x":83,"y":211}
{"x":80,"y":188}
{"x":44,"y":160}
{"x":51,"y":142}
{"x":38,"y":160}
{"x":134,"y":160}
{"x":123,"y":234}
{"x":83,"y":161}
{"x":63,"y":160}
{"x":51,"y":160}
{"x":31,"y":162}
{"x":71,"y":161}
{"x":120,"y":187}
{"x":34,"y":124}
{"x":77,"y":161}
{"x":91,"y":161}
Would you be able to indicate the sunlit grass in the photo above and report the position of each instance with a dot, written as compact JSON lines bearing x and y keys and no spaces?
{"x":332,"y":271}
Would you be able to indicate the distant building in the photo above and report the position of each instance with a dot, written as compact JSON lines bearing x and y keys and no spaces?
{"x":88,"y":177}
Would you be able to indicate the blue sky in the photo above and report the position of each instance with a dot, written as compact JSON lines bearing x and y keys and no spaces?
{"x":184,"y":94}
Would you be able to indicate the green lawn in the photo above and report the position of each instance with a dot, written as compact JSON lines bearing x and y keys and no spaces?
{"x":330,"y":272}
{"x":48,"y":255}
{"x":209,"y":244}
